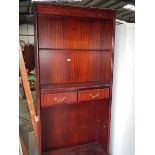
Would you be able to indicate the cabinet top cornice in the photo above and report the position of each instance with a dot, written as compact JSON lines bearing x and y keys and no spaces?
{"x":74,"y":11}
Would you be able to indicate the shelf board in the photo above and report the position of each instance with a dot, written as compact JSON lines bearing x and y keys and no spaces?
{"x":61,"y":87}
{"x":76,"y":49}
{"x":85,"y":149}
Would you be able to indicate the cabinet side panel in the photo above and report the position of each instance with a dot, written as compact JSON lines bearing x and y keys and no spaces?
{"x":37,"y":78}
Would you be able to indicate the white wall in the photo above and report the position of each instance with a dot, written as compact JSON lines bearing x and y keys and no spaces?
{"x":26,"y":30}
{"x":122,"y":140}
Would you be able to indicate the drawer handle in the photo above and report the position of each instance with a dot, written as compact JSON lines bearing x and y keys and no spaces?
{"x":59,"y":99}
{"x":94,"y":96}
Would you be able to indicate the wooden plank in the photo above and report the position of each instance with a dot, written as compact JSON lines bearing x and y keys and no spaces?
{"x":24,"y":150}
{"x":28,"y":93}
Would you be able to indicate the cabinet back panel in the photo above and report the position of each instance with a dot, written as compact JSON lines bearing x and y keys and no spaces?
{"x":106,"y":67}
{"x":71,"y":124}
{"x":74,"y":33}
{"x":62,"y":66}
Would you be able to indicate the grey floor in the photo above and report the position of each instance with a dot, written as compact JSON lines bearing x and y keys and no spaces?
{"x":25,"y":126}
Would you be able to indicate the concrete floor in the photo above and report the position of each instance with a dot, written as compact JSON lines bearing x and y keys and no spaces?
{"x":25,"y":126}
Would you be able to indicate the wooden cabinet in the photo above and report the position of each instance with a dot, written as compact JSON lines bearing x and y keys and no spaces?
{"x":29,"y":57}
{"x":74,"y":65}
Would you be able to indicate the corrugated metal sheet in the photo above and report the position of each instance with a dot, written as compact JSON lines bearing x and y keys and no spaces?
{"x":121,"y":13}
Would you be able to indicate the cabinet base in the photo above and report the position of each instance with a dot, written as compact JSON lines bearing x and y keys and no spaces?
{"x":85,"y":149}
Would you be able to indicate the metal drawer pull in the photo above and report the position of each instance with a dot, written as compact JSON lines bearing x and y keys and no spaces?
{"x":94,"y":96}
{"x":59,"y":99}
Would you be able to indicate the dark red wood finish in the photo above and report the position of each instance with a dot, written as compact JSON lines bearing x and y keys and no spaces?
{"x":29,"y":57}
{"x":78,"y":86}
{"x":74,"y":60}
{"x":72,"y":66}
{"x":94,"y":94}
{"x":58,"y":32}
{"x":88,"y":149}
{"x":58,"y":98}
{"x":38,"y":97}
{"x":76,"y":11}
{"x":72,"y":124}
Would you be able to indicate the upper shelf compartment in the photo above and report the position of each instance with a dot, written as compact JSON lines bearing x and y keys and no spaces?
{"x":63,"y":66}
{"x":61,"y":32}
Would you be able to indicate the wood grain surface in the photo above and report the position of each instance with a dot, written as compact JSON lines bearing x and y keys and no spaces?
{"x":74,"y":58}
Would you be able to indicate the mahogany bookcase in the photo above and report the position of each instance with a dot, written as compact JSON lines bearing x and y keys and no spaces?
{"x":74,"y":64}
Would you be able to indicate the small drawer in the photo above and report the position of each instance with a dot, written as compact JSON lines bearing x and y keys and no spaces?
{"x":58,"y":98}
{"x":95,"y":94}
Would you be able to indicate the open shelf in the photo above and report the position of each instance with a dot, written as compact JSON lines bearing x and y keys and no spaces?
{"x":85,"y":149}
{"x":61,"y":87}
{"x":77,"y":49}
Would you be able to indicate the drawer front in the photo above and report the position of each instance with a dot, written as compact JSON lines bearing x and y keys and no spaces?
{"x":58,"y":98}
{"x":95,"y":94}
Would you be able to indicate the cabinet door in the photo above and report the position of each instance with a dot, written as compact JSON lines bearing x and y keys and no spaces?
{"x":55,"y":66}
{"x":103,"y":135}
{"x":103,"y":123}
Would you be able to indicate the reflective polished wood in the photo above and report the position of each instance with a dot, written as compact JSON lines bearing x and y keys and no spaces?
{"x":74,"y":64}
